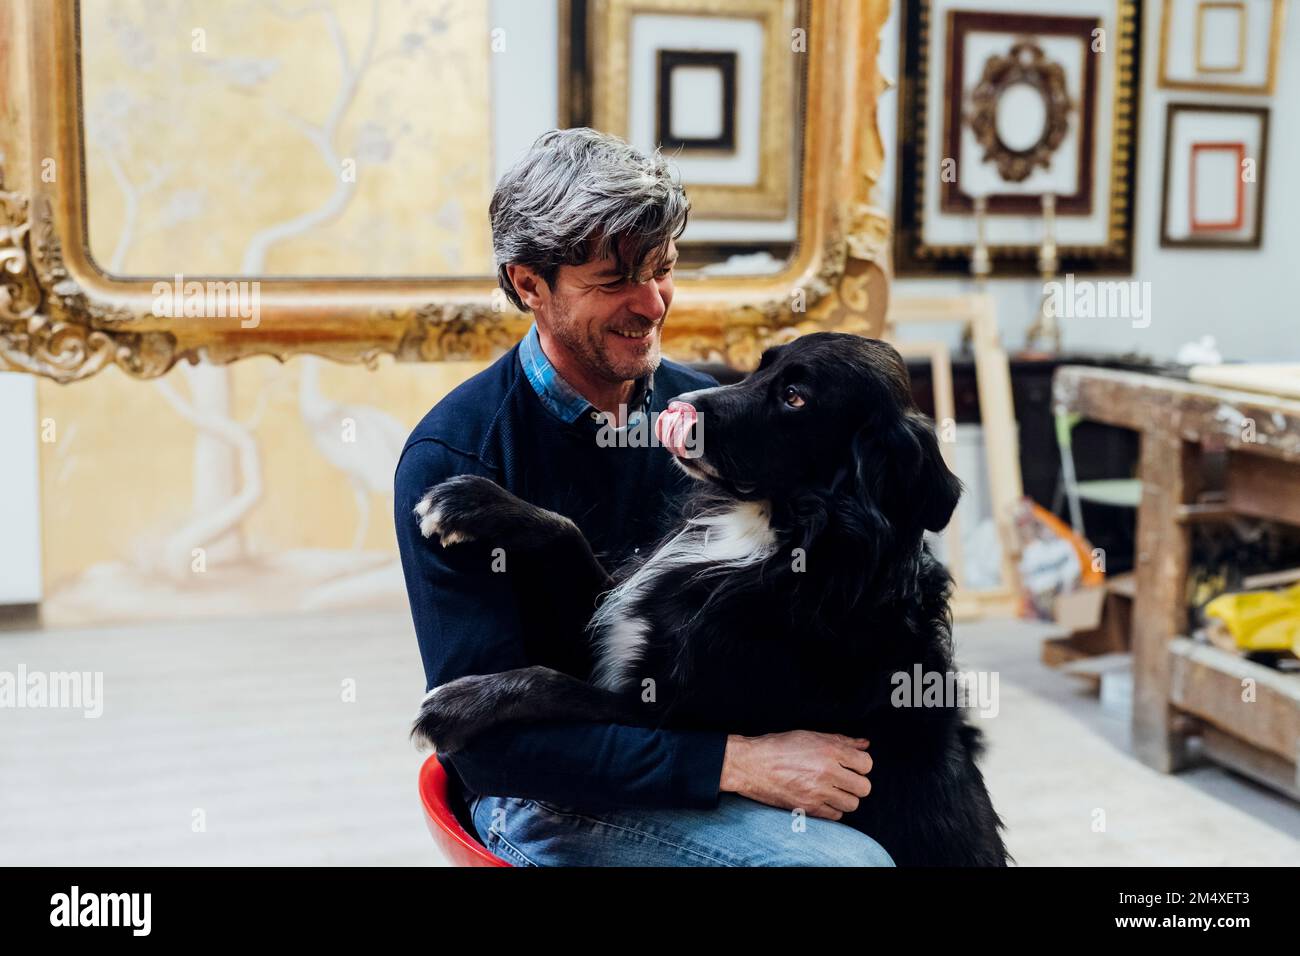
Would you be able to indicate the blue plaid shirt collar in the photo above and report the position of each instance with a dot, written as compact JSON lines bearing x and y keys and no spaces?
{"x":560,"y":398}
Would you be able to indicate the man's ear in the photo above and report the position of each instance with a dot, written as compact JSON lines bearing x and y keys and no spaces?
{"x":528,"y":284}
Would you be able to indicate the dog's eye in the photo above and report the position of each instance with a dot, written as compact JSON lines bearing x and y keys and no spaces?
{"x":792,"y":397}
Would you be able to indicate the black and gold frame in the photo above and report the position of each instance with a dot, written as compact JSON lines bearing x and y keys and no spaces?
{"x":1059,"y":156}
{"x":1095,"y":230}
{"x":670,"y":136}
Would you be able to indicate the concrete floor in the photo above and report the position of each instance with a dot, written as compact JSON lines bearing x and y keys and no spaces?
{"x":230,"y":742}
{"x":1058,"y":763}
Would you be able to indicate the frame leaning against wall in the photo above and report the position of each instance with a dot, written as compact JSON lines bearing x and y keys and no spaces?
{"x":976,"y":315}
{"x":64,"y":317}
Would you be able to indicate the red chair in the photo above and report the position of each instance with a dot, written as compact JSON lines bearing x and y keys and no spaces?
{"x":460,"y":845}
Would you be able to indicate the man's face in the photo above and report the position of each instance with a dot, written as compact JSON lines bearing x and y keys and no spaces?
{"x":612,"y":323}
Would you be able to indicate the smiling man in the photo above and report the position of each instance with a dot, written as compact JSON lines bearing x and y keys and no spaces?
{"x":584,"y":232}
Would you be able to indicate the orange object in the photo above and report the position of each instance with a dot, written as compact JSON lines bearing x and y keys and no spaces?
{"x":1089,"y":575}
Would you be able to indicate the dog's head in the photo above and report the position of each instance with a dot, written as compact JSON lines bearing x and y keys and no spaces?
{"x":827,"y":417}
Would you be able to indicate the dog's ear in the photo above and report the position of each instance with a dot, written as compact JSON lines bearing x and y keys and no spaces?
{"x":901,"y":472}
{"x":938,"y":488}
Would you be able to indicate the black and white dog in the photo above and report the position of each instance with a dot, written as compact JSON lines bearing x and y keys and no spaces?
{"x":797,"y":586}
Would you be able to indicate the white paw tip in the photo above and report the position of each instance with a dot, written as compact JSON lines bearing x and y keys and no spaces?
{"x":429,"y":523}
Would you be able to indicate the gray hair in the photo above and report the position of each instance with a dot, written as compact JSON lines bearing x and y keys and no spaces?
{"x":581,"y":195}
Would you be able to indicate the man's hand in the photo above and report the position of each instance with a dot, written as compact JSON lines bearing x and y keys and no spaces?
{"x":822,"y":774}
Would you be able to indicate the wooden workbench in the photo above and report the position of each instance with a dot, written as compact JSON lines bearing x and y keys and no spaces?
{"x":1247,"y":715}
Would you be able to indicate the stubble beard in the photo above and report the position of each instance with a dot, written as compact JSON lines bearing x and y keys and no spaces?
{"x":593,"y":350}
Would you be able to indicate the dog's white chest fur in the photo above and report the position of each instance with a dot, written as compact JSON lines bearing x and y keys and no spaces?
{"x":737,"y":536}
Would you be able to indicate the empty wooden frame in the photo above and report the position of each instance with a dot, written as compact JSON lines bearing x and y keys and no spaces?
{"x":976,"y":314}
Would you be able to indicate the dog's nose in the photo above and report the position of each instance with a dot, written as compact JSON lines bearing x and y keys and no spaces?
{"x":675,"y":427}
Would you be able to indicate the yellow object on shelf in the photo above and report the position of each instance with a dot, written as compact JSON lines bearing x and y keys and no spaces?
{"x":1261,"y":620}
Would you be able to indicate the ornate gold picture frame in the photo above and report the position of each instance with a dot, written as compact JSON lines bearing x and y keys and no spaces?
{"x":1024,"y":65}
{"x":65,"y":317}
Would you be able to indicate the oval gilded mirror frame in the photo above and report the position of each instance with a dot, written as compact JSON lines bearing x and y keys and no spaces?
{"x":1024,"y":66}
{"x":63,"y":317}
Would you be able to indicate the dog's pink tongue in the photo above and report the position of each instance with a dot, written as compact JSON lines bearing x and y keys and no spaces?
{"x":673,"y":425}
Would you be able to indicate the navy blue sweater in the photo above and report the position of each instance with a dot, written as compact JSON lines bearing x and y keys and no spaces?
{"x":470,"y":619}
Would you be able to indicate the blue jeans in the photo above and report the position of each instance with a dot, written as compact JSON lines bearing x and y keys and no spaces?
{"x":739,"y":832}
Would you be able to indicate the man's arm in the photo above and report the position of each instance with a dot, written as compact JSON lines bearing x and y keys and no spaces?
{"x":466,"y":621}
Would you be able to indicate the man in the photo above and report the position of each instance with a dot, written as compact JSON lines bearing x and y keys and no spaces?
{"x":584,"y":230}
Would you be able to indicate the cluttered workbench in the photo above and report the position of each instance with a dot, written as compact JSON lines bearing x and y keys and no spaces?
{"x":1246,"y":714}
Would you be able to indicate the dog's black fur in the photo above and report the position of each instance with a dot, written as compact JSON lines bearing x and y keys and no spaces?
{"x":799,"y":627}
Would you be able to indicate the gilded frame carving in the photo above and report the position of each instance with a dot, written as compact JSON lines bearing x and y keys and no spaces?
{"x":63,"y":317}
{"x":1047,"y":79}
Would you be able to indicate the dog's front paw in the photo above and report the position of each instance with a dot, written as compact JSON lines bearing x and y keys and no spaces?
{"x":434,"y":728}
{"x":471,"y":508}
{"x":452,"y":509}
{"x":451,"y":714}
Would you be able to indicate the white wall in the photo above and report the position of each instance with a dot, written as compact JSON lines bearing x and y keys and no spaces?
{"x":1246,"y":299}
{"x":20,"y":527}
{"x":525,"y":84}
